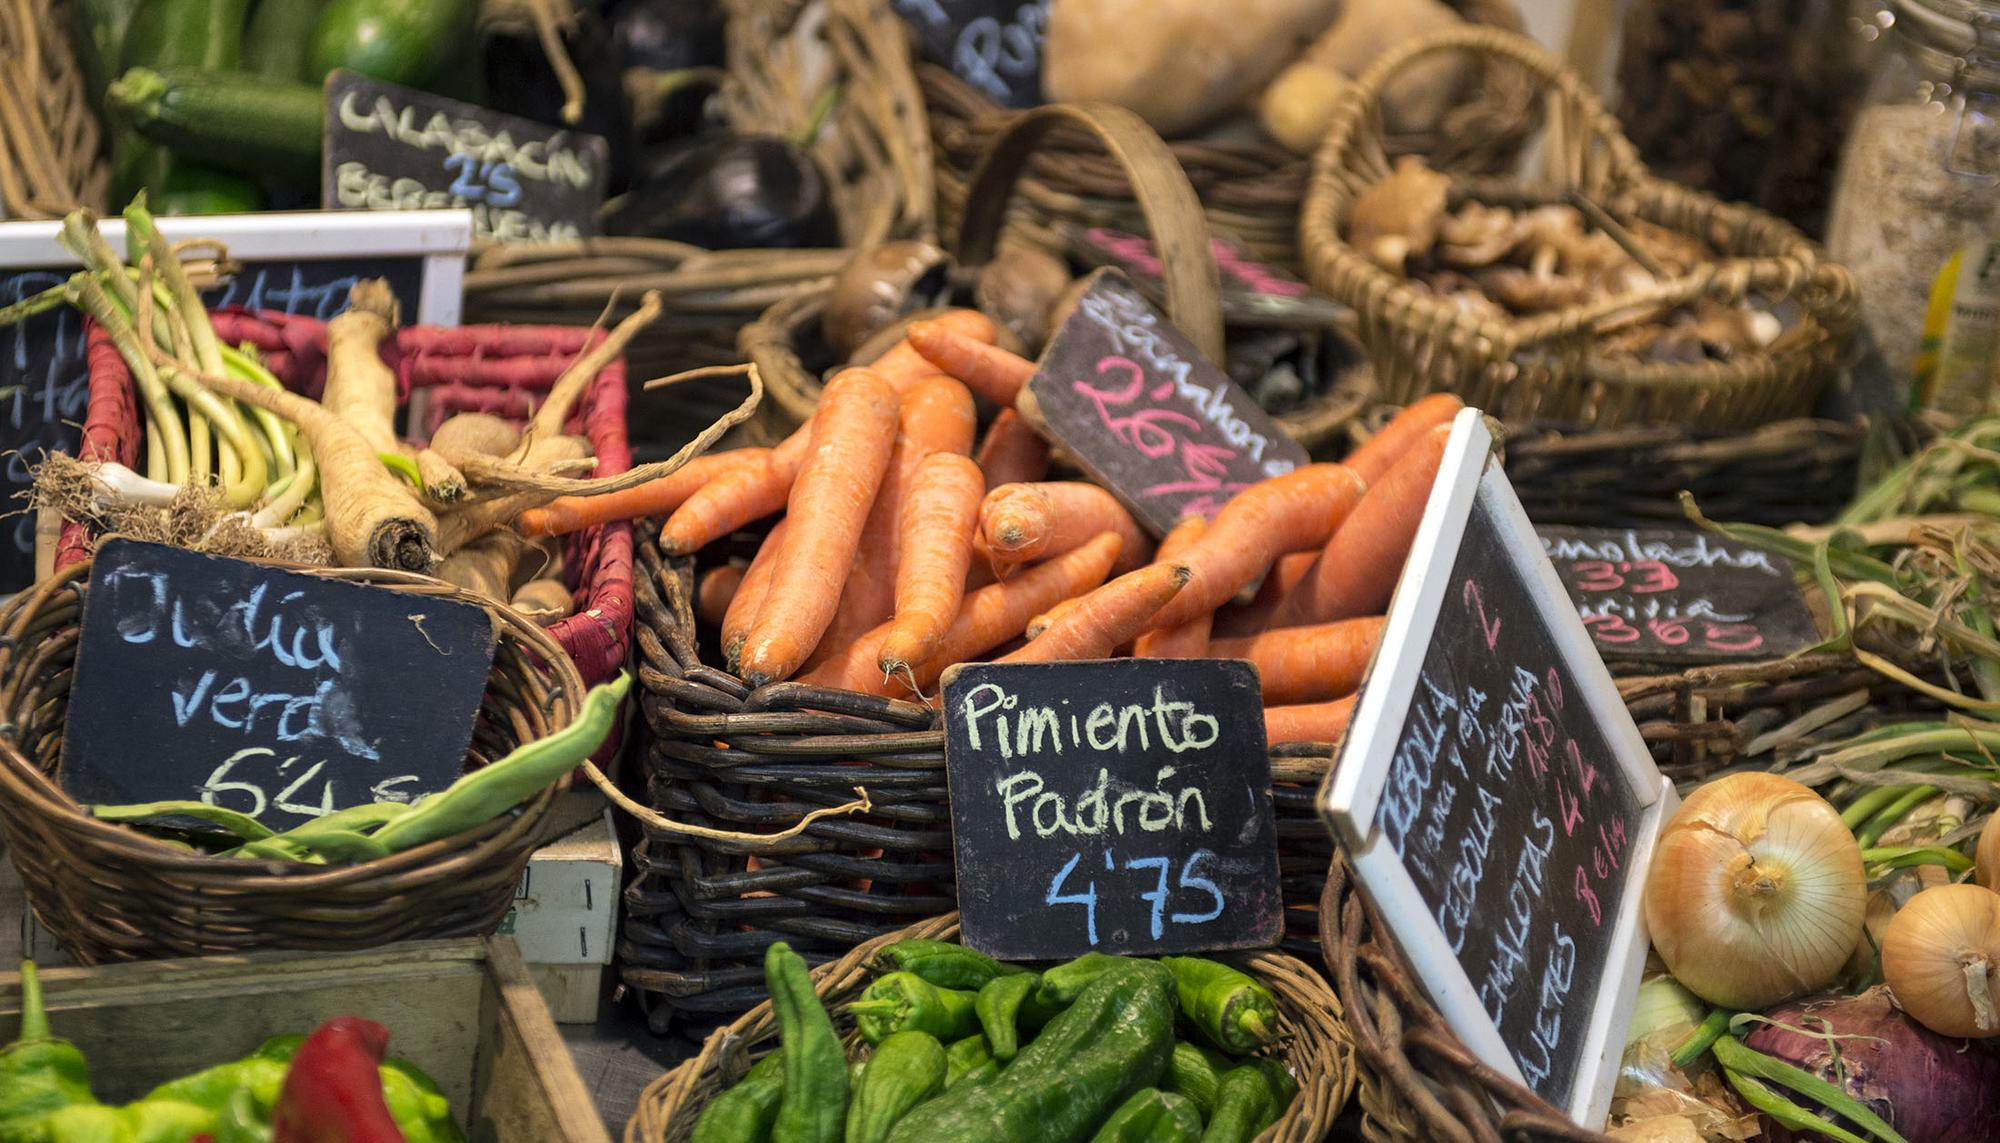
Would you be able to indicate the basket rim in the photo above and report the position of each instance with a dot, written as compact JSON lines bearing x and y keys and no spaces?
{"x":672,"y":1093}
{"x":566,"y":692}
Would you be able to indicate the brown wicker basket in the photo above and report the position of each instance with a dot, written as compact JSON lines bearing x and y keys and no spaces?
{"x":1548,"y":367}
{"x":50,"y":142}
{"x":875,"y":149}
{"x":1316,"y":1046}
{"x":700,"y":910}
{"x":780,"y":341}
{"x":107,"y":892}
{"x":1251,"y":188}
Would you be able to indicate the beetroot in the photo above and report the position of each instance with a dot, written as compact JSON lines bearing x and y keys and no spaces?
{"x":1930,"y":1088}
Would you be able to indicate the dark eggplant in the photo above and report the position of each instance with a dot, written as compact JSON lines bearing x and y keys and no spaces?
{"x":518,"y":80}
{"x":729,"y":192}
{"x":667,"y":35}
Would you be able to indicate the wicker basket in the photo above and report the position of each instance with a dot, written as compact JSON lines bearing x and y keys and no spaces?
{"x":499,"y":370}
{"x":784,"y":55}
{"x":1547,"y":367}
{"x":50,"y":142}
{"x":1251,"y":188}
{"x":108,"y":892}
{"x":784,"y":339}
{"x":1316,"y":1045}
{"x":700,"y":910}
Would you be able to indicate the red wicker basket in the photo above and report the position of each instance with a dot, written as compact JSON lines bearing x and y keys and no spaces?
{"x":498,"y":369}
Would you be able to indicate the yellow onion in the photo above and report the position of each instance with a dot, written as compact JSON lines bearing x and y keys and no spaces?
{"x":1941,"y":957}
{"x":1756,"y":893}
{"x":1986,"y":869}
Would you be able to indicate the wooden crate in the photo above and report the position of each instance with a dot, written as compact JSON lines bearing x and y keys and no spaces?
{"x":465,"y":1011}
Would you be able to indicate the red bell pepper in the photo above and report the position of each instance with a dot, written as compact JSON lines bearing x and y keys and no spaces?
{"x":333,"y":1092}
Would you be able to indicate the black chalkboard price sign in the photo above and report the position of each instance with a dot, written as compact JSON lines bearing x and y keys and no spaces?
{"x":1147,"y":415}
{"x":275,"y":693}
{"x":1120,"y":806}
{"x":1495,"y":796}
{"x":1254,"y":292}
{"x":1674,"y":595}
{"x":994,"y":45}
{"x":395,"y":148}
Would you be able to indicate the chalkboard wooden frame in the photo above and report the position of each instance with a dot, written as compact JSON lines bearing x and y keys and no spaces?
{"x":442,"y":237}
{"x":1353,"y":791}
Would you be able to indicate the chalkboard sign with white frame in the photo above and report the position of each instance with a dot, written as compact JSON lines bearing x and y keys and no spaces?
{"x":1495,"y":797}
{"x":295,"y":263}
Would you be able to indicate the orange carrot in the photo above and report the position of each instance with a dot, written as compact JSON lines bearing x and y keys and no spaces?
{"x":936,"y":417}
{"x":989,"y":617}
{"x":1308,"y":664}
{"x":1379,"y":453}
{"x":1024,"y":522}
{"x":901,"y":366}
{"x":1310,"y":722}
{"x":853,"y":433}
{"x":987,"y":370}
{"x":750,"y":596}
{"x":1107,"y":617}
{"x":939,"y":516}
{"x":1297,"y":510}
{"x":566,"y":514}
{"x":1250,"y":618}
{"x":1190,"y":639}
{"x":1040,"y":623}
{"x":1013,"y":452}
{"x":1356,"y":572}
{"x":715,"y":592}
{"x":741,"y":495}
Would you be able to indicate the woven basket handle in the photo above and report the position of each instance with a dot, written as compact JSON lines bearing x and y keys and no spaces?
{"x":1586,"y":143}
{"x":1173,"y":213}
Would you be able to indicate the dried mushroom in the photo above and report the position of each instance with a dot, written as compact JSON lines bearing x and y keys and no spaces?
{"x":1497,"y":263}
{"x":1399,"y":216}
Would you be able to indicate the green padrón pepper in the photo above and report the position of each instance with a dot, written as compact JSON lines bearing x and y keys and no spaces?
{"x":1152,"y":1116}
{"x":999,"y":1009}
{"x":970,"y":1058}
{"x":906,"y":1002}
{"x":946,"y":964}
{"x":1114,"y":1039}
{"x":1235,"y":1012}
{"x":907,"y":1069}
{"x":1062,"y":984}
{"x":1196,"y":1072}
{"x":746,"y":1112}
{"x":40,"y":1073}
{"x":1244,"y":1106}
{"x":813,"y":1106}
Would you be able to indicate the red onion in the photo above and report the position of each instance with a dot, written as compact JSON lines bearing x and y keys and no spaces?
{"x":1930,"y":1088}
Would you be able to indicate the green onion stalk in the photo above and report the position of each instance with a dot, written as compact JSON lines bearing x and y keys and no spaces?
{"x":155,"y":317}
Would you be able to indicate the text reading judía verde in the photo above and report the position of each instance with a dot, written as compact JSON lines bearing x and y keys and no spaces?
{"x":287,"y":685}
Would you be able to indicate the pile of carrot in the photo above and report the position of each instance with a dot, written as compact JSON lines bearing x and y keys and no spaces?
{"x":907,"y":546}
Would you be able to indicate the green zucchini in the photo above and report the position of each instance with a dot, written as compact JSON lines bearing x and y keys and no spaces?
{"x":185,"y":33}
{"x":233,"y":120}
{"x":278,"y":38}
{"x":195,"y":188}
{"x":411,"y":42}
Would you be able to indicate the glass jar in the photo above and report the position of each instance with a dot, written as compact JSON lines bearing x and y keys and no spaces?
{"x":1917,"y":203}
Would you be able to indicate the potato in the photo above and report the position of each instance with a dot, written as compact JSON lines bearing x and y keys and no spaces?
{"x":1296,"y":106}
{"x":1179,"y":64}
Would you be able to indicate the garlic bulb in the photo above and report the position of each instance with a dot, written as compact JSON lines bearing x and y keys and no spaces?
{"x":1941,"y":957}
{"x":1756,"y":893}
